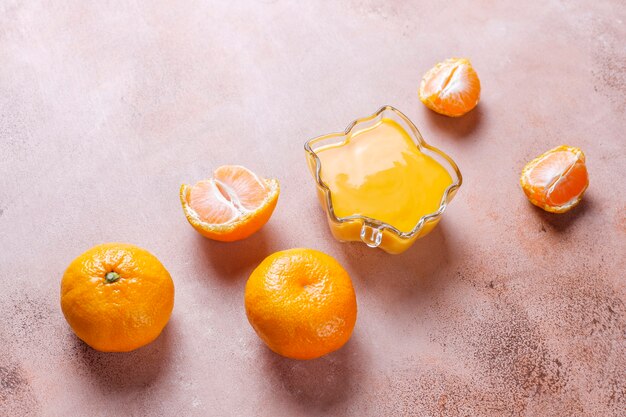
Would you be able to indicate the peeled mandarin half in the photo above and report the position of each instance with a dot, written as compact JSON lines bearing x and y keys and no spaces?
{"x":451,"y":88}
{"x":556,"y":180}
{"x":231,"y":205}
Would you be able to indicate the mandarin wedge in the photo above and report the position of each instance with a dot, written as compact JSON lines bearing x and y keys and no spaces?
{"x":556,"y":180}
{"x":451,"y":88}
{"x":301,"y":303}
{"x":231,"y":205}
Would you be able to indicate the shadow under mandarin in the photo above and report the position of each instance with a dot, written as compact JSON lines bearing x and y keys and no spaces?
{"x":458,"y":127}
{"x":316,"y":384}
{"x":561,"y":222}
{"x":126,"y":371}
{"x":231,"y":259}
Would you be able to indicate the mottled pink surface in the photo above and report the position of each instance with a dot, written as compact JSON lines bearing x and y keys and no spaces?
{"x":504,"y":310}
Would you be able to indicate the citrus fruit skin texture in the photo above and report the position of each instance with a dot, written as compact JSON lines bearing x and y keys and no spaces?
{"x":451,"y":87}
{"x":301,"y":303}
{"x":117,"y":297}
{"x":231,"y":206}
{"x":556,"y":180}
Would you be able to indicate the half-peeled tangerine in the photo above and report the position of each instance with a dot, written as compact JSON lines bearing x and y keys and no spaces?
{"x":231,"y":205}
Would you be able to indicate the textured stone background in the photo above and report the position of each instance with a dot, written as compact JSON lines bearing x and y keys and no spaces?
{"x":107,"y":107}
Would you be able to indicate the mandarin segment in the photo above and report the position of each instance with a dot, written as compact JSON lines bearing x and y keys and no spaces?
{"x":451,"y":87}
{"x":232,"y":205}
{"x":208,"y":201}
{"x":301,"y":303}
{"x":242,"y":185}
{"x":556,"y":180}
{"x":117,"y":297}
{"x":573,"y":183}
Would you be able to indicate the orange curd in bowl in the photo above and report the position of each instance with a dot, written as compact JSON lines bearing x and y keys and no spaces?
{"x":379,"y":172}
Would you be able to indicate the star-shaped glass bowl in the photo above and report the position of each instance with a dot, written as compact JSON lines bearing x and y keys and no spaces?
{"x":375,"y":233}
